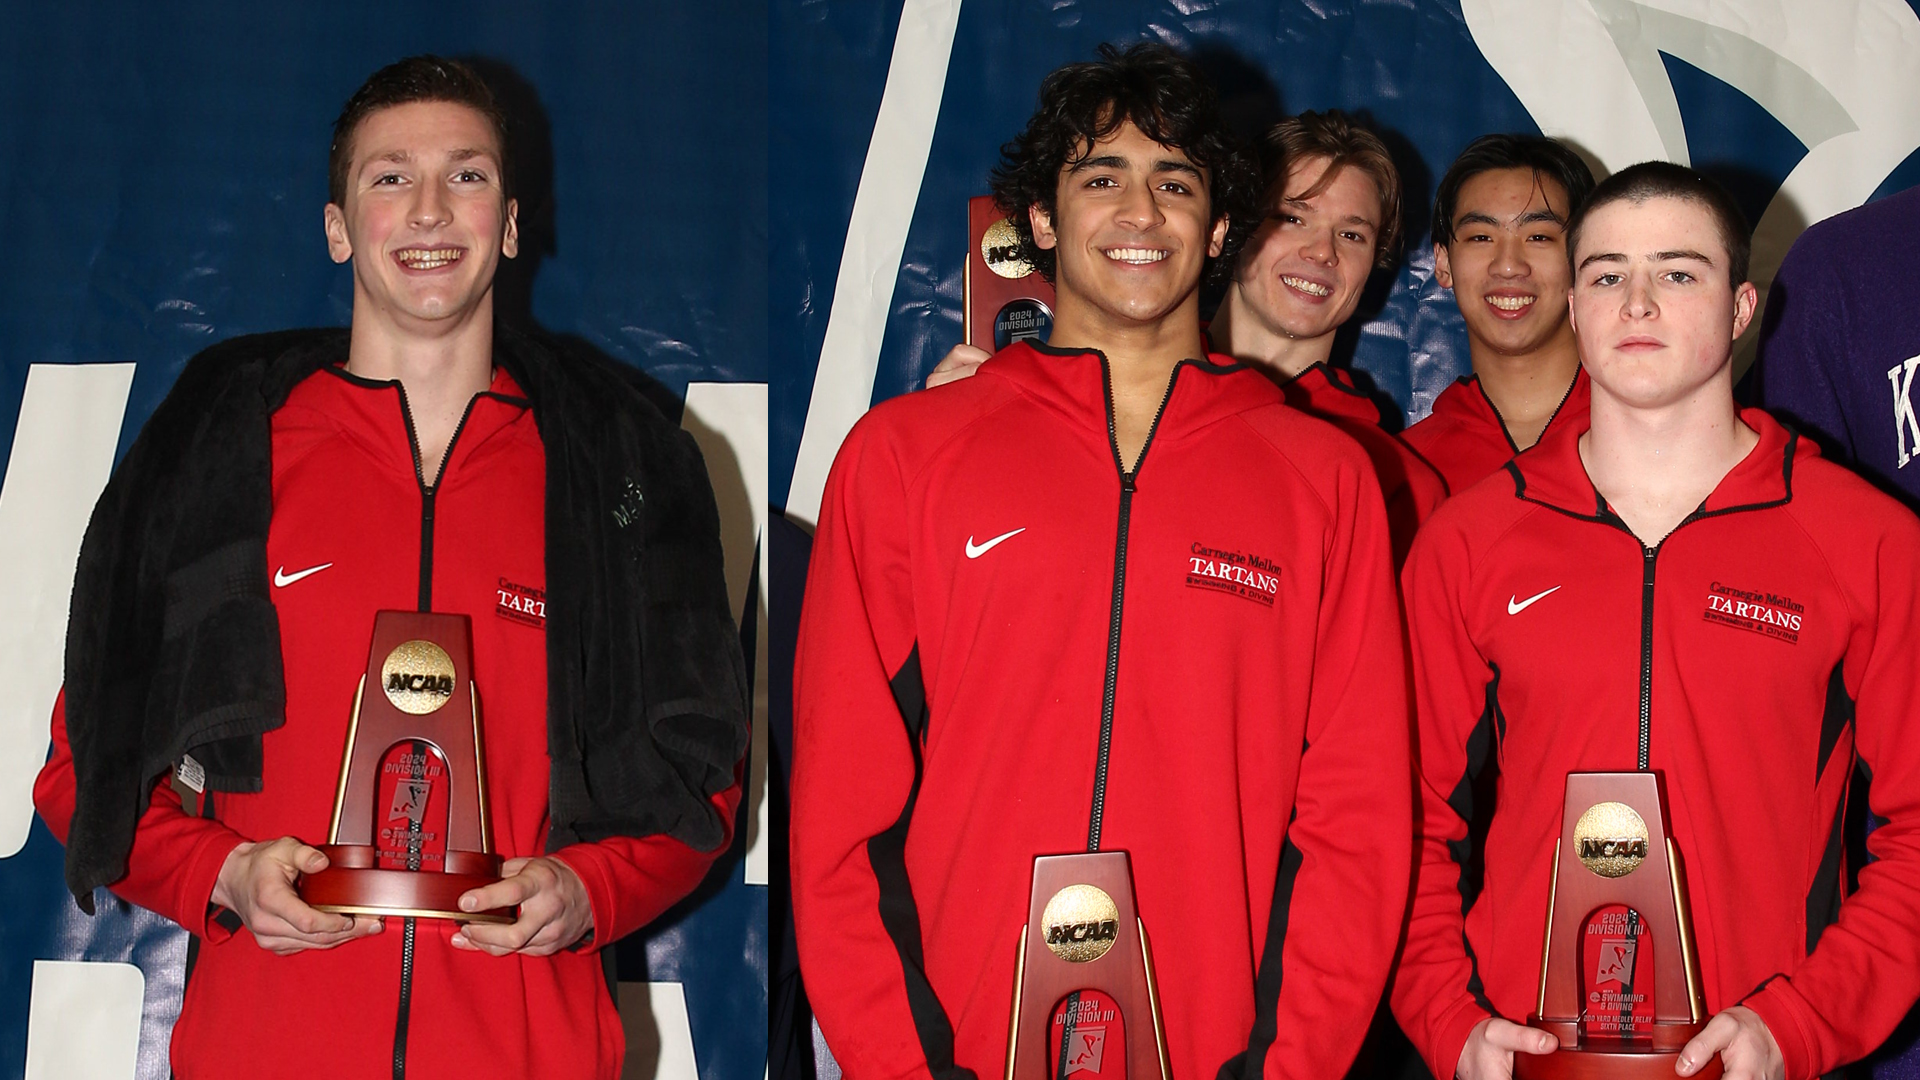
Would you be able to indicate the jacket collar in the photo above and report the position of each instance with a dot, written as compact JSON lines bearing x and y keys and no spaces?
{"x":1552,"y":475}
{"x":1075,"y":383}
{"x":374,"y":414}
{"x":1466,"y":401}
{"x":1325,"y":390}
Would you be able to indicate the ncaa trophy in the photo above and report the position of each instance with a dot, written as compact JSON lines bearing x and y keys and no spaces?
{"x":1619,"y":979}
{"x":1006,"y":300}
{"x":409,"y":831}
{"x":1083,"y":996}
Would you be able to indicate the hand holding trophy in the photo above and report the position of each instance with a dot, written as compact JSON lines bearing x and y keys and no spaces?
{"x":409,"y":831}
{"x":1619,"y":980}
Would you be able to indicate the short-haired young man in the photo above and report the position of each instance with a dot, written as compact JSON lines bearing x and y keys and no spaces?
{"x":1104,"y":593}
{"x":1332,"y":203}
{"x":418,"y":460}
{"x":1499,"y":224}
{"x":1746,"y":625}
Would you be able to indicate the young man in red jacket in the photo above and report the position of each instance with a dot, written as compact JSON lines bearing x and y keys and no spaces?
{"x":1333,"y":199}
{"x":1499,"y":242}
{"x":1107,"y":593}
{"x":1746,"y":625}
{"x":419,"y":460}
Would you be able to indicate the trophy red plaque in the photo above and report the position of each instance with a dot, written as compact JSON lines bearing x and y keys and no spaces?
{"x":1619,"y":980}
{"x":1006,"y":300}
{"x":1083,"y":1000}
{"x":409,"y":831}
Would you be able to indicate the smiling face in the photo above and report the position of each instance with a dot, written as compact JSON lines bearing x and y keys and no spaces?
{"x":1652,"y":305}
{"x":1507,"y":265}
{"x":1131,"y":231}
{"x":425,"y":218}
{"x":1304,"y":269}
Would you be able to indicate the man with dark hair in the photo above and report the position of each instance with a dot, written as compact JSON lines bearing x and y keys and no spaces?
{"x":415,"y":79}
{"x":1750,"y":603}
{"x":1499,"y":221}
{"x":1333,"y":216}
{"x":294,"y":484}
{"x":1106,"y":594}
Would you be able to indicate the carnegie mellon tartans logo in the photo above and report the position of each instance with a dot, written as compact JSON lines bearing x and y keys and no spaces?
{"x":1233,"y":572}
{"x":1766,"y":613}
{"x":524,"y":604}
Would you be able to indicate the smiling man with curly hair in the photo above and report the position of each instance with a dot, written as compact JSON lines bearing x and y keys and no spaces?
{"x":1111,"y":593}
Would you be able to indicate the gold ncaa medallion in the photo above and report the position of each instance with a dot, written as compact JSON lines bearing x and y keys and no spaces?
{"x":1000,"y":247}
{"x":1611,"y":839}
{"x":418,"y":677}
{"x":1081,"y":923}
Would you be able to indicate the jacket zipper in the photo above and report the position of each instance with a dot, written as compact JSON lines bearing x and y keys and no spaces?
{"x":1502,"y":421}
{"x":427,"y":491}
{"x":1127,"y":486}
{"x":1648,"y":555}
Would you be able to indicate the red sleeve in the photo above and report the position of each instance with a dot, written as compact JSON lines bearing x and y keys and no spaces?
{"x":1436,"y":995}
{"x":1348,"y":846}
{"x":1846,"y":997}
{"x":1412,"y":502}
{"x":631,"y":880}
{"x":854,"y":777}
{"x":175,"y":858}
{"x":1408,"y":484}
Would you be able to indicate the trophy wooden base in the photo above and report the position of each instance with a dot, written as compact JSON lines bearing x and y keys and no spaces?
{"x":1574,"y":1064}
{"x":353,"y":884}
{"x":1593,"y":1062}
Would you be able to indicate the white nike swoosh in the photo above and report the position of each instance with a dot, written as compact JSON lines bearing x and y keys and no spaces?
{"x":1514,"y":608}
{"x":282,"y":579}
{"x":975,"y":551}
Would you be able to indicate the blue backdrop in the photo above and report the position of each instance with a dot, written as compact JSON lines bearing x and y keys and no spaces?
{"x":1413,"y":68}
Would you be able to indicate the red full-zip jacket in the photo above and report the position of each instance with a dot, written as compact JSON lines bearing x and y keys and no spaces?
{"x":1410,"y":487}
{"x":986,"y":586}
{"x":1465,"y":440}
{"x":355,"y":531}
{"x":1770,"y":641}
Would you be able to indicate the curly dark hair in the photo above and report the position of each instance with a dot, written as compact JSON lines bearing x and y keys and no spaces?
{"x":403,"y":82}
{"x":1164,"y":95}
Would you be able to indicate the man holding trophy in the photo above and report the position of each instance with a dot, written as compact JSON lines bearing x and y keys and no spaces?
{"x":1672,"y":634}
{"x":1101,"y":726}
{"x":400,"y":669}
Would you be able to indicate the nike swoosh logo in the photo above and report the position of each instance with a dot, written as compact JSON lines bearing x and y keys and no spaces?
{"x":974,"y":551}
{"x":1516,"y":607}
{"x":282,"y":579}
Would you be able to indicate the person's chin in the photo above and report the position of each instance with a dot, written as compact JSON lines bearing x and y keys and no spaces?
{"x":1143,"y":308}
{"x":1513,"y":338}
